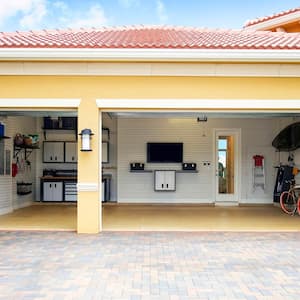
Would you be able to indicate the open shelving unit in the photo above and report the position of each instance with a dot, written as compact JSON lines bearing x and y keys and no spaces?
{"x":27,"y":150}
{"x":4,"y":137}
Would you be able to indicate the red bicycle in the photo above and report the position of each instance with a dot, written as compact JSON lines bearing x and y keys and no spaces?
{"x":290,"y":200}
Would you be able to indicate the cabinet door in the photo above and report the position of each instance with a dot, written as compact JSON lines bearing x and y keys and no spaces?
{"x":47,"y":191}
{"x":57,"y":188}
{"x":48,"y":152}
{"x":53,"y":152}
{"x":170,"y":180}
{"x":71,"y":152}
{"x":159,"y":180}
{"x":105,"y":152}
{"x":59,"y":152}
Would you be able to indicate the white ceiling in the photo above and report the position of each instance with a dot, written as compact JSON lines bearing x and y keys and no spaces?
{"x":37,"y":113}
{"x":191,"y":115}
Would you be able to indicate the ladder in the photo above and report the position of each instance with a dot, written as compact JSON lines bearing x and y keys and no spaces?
{"x":258,"y":172}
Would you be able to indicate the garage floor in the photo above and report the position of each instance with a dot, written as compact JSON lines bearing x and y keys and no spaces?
{"x":197,"y":218}
{"x":117,"y":217}
{"x":41,"y":217}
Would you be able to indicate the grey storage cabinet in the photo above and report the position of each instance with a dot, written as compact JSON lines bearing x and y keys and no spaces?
{"x":53,"y":152}
{"x":53,"y":191}
{"x":164,"y":180}
{"x":70,"y":152}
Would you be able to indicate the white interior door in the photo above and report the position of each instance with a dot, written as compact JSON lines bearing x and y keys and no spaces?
{"x":227,"y":166}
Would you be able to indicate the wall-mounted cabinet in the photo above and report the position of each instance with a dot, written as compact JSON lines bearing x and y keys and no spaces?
{"x":70,"y":152}
{"x":59,"y":152}
{"x":53,"y":152}
{"x":165,"y":180}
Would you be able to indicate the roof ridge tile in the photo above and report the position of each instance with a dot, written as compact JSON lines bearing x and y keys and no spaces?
{"x":270,"y":17}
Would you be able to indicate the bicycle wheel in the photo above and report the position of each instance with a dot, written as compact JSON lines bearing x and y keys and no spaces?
{"x":288,"y":202}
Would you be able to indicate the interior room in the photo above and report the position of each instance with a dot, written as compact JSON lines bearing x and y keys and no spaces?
{"x":219,"y":171}
{"x":38,"y":170}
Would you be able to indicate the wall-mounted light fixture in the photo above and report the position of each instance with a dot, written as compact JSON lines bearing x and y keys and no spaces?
{"x":86,"y":136}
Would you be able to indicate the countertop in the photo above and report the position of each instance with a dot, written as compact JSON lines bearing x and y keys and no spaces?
{"x":59,"y":178}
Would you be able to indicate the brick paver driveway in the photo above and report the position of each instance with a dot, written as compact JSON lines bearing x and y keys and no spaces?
{"x":167,"y":265}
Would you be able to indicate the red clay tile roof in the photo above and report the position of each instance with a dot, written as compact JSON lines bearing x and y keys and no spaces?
{"x":274,"y":16}
{"x":155,"y":37}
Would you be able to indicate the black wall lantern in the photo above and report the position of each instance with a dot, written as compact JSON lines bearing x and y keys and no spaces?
{"x":86,"y":136}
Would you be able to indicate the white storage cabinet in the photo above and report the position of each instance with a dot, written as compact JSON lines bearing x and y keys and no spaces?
{"x":53,"y":152}
{"x":70,"y":152}
{"x":164,"y":180}
{"x":53,"y":191}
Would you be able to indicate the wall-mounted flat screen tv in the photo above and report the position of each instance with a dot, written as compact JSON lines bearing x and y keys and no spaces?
{"x":164,"y":152}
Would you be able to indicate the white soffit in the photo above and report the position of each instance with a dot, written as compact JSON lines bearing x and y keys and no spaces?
{"x":39,"y":103}
{"x":200,"y":104}
{"x":165,"y":55}
{"x":151,"y":69}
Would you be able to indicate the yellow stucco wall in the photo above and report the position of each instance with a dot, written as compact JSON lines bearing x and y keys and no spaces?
{"x":92,"y":87}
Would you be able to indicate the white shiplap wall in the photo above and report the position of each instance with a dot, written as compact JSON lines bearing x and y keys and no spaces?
{"x":9,"y":199}
{"x":6,"y":204}
{"x":134,"y":133}
{"x":111,"y":167}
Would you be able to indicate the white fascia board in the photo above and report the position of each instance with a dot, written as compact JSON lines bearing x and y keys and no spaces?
{"x":278,"y":21}
{"x":201,"y":104}
{"x":39,"y":103}
{"x":193,"y":55}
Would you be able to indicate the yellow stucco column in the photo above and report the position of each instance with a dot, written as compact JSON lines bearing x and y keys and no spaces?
{"x":89,"y":205}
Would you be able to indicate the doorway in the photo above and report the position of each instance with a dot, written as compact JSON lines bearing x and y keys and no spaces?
{"x":227,"y":166}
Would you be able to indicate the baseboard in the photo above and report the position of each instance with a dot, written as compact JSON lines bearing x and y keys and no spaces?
{"x":255,"y":204}
{"x":156,"y":204}
{"x":227,"y":203}
{"x":6,"y":210}
{"x":164,"y":201}
{"x":23,"y":204}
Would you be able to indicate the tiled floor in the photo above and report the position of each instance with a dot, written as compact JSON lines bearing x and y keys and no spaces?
{"x":157,"y":265}
{"x":155,"y":218}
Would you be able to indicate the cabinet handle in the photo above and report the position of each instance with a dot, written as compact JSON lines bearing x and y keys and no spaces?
{"x":55,"y":185}
{"x":162,"y":185}
{"x":167,"y":185}
{"x":50,"y":185}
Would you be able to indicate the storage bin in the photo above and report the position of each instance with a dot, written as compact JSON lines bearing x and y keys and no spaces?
{"x":24,"y":188}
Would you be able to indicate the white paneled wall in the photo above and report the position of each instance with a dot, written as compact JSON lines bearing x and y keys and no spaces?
{"x":134,"y":133}
{"x":9,"y":199}
{"x":111,"y":167}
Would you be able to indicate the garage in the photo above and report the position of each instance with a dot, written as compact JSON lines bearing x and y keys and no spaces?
{"x":218,"y":97}
{"x":39,"y":170}
{"x":201,"y":197}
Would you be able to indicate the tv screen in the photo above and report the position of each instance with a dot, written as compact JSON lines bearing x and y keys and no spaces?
{"x":164,"y":152}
